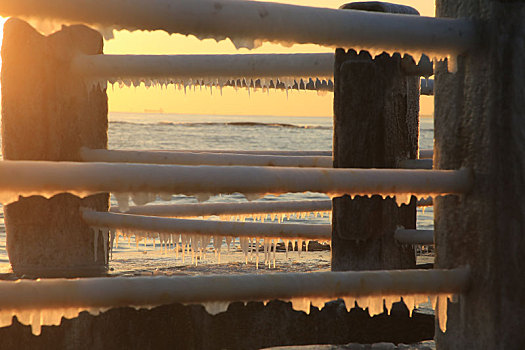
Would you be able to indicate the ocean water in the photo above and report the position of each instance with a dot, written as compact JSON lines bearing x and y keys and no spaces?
{"x":155,"y":131}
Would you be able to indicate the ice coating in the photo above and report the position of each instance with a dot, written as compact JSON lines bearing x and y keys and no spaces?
{"x":36,"y":318}
{"x":45,"y":302}
{"x":189,"y":158}
{"x":258,"y":210}
{"x":319,"y":84}
{"x":257,"y":71}
{"x":248,"y":24}
{"x":196,"y":246}
{"x":82,"y":179}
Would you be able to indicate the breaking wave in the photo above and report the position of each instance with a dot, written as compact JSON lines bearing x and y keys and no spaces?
{"x":239,"y":124}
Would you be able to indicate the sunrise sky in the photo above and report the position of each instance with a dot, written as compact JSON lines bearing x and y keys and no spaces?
{"x":231,"y":102}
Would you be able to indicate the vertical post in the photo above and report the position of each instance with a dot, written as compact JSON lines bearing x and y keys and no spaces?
{"x":376,"y":124}
{"x":480,"y":124}
{"x":48,"y":113}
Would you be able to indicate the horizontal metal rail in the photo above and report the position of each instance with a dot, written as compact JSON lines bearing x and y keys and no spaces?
{"x":259,"y":152}
{"x":247,"y":23}
{"x":150,"y":291}
{"x":423,"y":153}
{"x":188,"y":158}
{"x":410,"y":236}
{"x":206,"y":227}
{"x":320,"y":65}
{"x":237,"y":208}
{"x":26,"y":178}
{"x":263,"y":70}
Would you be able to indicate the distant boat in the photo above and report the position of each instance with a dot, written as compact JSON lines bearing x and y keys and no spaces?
{"x":160,"y":110}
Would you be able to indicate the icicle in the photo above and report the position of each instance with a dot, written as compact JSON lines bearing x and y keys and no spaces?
{"x":123,"y":201}
{"x":375,"y":306}
{"x":216,"y":307}
{"x":433,"y":301}
{"x":349,"y":303}
{"x":105,"y":237}
{"x":95,"y":241}
{"x":228,"y":241}
{"x":274,"y":251}
{"x":410,"y":302}
{"x":452,"y":63}
{"x":441,"y":312}
{"x":364,"y":302}
{"x":301,"y":304}
{"x":318,"y":302}
{"x":403,"y":198}
{"x":389,"y":300}
{"x":257,"y":252}
{"x":113,"y":235}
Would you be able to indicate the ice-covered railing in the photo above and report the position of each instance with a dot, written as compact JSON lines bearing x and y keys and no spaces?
{"x":248,"y":23}
{"x":423,"y":153}
{"x":189,"y":158}
{"x":264,"y":70}
{"x":251,"y":209}
{"x":259,"y":152}
{"x":311,"y":71}
{"x":206,"y":227}
{"x":194,"y":236}
{"x":26,"y":178}
{"x":410,"y":236}
{"x":232,"y":208}
{"x":44,"y":302}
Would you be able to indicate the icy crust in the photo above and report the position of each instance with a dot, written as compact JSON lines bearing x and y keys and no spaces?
{"x":145,"y":198}
{"x":252,"y":84}
{"x":36,"y":318}
{"x":142,"y":198}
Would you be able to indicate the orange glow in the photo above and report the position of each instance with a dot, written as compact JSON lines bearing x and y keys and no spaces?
{"x":231,"y":102}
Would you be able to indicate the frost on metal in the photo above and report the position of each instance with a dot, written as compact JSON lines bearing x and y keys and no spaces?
{"x":260,"y":210}
{"x":27,"y":178}
{"x":265,"y":71}
{"x":194,"y":236}
{"x":46,"y":301}
{"x":249,"y":23}
{"x":190,"y":158}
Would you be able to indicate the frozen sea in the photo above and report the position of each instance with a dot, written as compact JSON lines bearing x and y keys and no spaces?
{"x":157,"y":131}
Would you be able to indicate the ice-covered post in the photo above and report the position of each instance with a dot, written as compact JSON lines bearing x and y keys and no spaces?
{"x":480,"y":124}
{"x":376,"y":108}
{"x":48,"y":113}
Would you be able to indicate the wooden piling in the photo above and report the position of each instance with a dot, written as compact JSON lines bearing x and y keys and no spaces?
{"x":49,"y":113}
{"x":480,"y":124}
{"x":376,"y":125}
